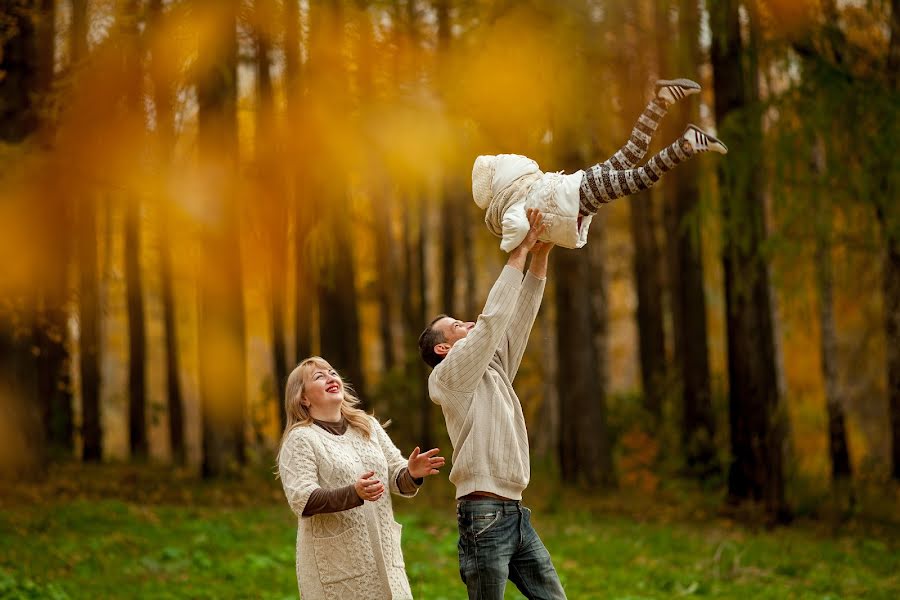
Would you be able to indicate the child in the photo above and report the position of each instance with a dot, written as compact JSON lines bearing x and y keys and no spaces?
{"x":506,"y":184}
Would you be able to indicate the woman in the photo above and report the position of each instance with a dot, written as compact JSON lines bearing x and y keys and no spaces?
{"x":334,"y":462}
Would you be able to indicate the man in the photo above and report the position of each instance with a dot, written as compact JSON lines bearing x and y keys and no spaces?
{"x":474,"y":367}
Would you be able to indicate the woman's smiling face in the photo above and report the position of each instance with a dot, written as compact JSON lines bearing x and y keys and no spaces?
{"x":323,"y":388}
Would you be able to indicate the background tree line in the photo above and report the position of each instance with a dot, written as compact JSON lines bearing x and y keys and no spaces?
{"x":198,"y":193}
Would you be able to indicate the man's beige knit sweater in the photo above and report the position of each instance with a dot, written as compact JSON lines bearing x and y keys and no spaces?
{"x":473,"y":386}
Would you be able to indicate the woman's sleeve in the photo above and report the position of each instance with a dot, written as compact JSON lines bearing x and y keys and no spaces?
{"x":397,"y":464}
{"x":299,"y":471}
{"x":323,"y":501}
{"x":408,"y":484}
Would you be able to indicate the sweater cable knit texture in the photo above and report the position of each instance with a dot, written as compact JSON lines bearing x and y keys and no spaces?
{"x":354,"y":553}
{"x":473,"y":386}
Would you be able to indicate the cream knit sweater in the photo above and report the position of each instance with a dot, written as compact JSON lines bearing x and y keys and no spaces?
{"x":353,"y":553}
{"x":473,"y":386}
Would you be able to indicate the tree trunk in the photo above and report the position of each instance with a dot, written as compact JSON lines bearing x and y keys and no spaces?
{"x":450,"y":206}
{"x":649,"y":317}
{"x":382,"y":204}
{"x":888,"y":216}
{"x":688,"y":300}
{"x":338,"y":308}
{"x":545,"y":438}
{"x":838,"y":449}
{"x":582,"y":315}
{"x":165,"y":137}
{"x":222,"y":347}
{"x":18,"y":114}
{"x":386,"y":258}
{"x":89,"y":334}
{"x":174,"y":397}
{"x":55,"y":386}
{"x":137,"y":403}
{"x":22,"y":452}
{"x":585,"y":448}
{"x":585,"y":455}
{"x":425,"y":404}
{"x":78,"y":34}
{"x":274,"y":206}
{"x":339,"y":328}
{"x":837,"y":429}
{"x":55,"y":393}
{"x":415,"y":307}
{"x":130,"y":78}
{"x":756,"y":421}
{"x":449,"y":227}
{"x":891,"y":291}
{"x":468,"y":249}
{"x":303,"y":297}
{"x":651,"y":338}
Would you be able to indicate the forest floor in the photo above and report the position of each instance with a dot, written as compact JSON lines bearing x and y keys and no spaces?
{"x":151,"y":532}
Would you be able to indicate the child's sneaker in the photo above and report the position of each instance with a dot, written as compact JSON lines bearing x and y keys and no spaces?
{"x":672,"y":90}
{"x":701,"y":141}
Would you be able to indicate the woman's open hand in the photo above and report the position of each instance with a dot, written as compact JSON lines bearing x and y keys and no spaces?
{"x":425,"y":463}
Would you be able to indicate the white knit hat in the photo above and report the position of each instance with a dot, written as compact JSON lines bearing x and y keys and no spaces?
{"x":482,"y":179}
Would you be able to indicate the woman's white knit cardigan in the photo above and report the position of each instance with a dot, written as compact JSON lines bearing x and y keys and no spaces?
{"x":353,"y":553}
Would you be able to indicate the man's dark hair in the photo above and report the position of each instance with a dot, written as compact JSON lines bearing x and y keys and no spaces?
{"x":430,"y":338}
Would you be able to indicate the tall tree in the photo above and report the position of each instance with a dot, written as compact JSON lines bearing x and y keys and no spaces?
{"x":222,"y":348}
{"x":890,"y":224}
{"x":821,"y":199}
{"x":418,"y":248}
{"x":130,"y":78}
{"x":756,"y":419}
{"x":22,"y":453}
{"x":414,"y":223}
{"x":451,"y":204}
{"x":296,"y":105}
{"x":585,"y":449}
{"x":688,"y":305}
{"x":89,"y":335}
{"x":273,"y":204}
{"x":647,"y":262}
{"x":838,"y":449}
{"x":579,"y":284}
{"x":339,"y":326}
{"x":163,"y":102}
{"x":415,"y":236}
{"x":582,"y":314}
{"x":55,"y":394}
{"x":839,"y":59}
{"x":382,"y":206}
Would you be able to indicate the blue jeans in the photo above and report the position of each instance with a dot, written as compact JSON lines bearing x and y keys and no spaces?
{"x":496,"y":543}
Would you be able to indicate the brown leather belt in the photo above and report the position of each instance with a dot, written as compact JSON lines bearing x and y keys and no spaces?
{"x":483,"y":496}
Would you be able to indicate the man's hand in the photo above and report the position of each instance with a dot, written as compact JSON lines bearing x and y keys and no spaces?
{"x":535,"y":231}
{"x":424,"y":464}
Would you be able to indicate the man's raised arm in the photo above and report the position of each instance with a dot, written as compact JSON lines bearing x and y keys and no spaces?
{"x":527,"y":306}
{"x":466,"y":363}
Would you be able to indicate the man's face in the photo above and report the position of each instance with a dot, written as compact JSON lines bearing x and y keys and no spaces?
{"x":453,"y":330}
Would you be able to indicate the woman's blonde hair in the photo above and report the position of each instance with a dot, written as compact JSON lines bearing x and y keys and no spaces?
{"x":298,"y":414}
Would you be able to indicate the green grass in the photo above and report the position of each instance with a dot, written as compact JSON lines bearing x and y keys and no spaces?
{"x":95,"y":547}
